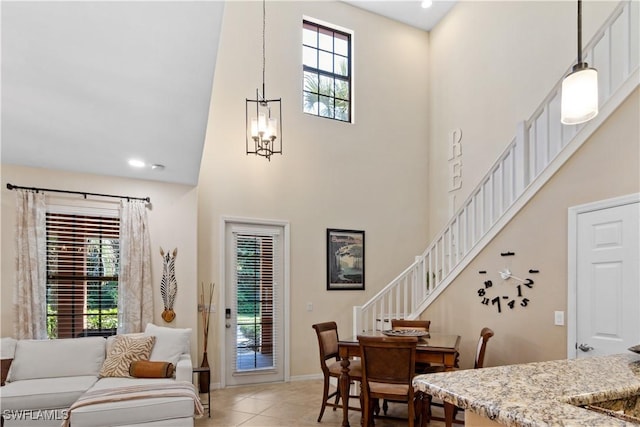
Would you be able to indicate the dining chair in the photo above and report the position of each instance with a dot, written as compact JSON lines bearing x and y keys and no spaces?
{"x":388,"y":368}
{"x":478,"y":363}
{"x":415,"y":325}
{"x":327,"y":333}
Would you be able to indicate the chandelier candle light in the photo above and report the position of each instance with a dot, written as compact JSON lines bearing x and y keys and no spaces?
{"x":580,"y":88}
{"x":264,"y":122}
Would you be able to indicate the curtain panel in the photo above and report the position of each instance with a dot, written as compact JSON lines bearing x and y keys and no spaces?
{"x":29,"y":293}
{"x":135,"y":292}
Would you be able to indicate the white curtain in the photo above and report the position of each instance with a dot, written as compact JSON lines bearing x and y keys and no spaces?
{"x":135,"y":293}
{"x":30,"y":287}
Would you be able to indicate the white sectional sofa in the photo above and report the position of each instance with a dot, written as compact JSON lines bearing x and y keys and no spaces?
{"x":46,"y":377}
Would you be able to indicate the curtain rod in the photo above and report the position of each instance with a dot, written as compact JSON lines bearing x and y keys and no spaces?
{"x":82,"y":193}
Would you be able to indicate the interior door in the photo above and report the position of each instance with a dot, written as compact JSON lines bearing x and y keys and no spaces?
{"x":254,"y":312}
{"x":608,"y":280}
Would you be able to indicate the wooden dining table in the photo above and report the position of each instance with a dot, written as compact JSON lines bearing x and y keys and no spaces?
{"x":437,"y":348}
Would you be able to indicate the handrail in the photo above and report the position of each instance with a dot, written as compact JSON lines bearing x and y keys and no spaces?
{"x":540,"y":147}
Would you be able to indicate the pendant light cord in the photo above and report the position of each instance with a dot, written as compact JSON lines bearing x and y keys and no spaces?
{"x":264,"y":24}
{"x":579,"y":31}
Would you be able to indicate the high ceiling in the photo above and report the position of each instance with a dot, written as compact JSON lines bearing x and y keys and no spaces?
{"x":86,"y":86}
{"x":408,"y":12}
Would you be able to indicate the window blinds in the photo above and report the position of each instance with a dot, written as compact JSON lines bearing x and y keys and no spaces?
{"x":83,"y":258}
{"x":256,"y":297}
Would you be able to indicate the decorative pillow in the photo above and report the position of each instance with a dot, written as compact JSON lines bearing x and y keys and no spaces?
{"x":124,"y":351}
{"x":170,"y":343}
{"x":147,"y":369}
{"x":111,"y":339}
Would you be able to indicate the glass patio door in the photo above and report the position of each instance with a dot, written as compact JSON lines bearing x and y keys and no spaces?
{"x":254,"y":308}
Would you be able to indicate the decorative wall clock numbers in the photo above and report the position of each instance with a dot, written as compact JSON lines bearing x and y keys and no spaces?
{"x":510,"y":292}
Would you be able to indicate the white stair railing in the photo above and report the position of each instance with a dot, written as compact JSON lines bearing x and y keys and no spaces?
{"x":541,"y":146}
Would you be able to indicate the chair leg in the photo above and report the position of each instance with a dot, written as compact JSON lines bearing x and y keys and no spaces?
{"x":366,"y":410}
{"x":385,"y":406}
{"x":325,"y":396}
{"x":427,"y":403}
{"x":412,"y":414}
{"x":422,"y":408}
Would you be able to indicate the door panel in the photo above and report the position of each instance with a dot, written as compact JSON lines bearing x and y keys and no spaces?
{"x":608,"y":280}
{"x":254,"y":309}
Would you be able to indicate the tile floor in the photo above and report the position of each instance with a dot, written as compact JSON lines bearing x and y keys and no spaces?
{"x":294,"y":404}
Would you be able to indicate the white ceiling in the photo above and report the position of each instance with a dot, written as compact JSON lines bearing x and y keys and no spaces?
{"x":409,"y":12}
{"x":87,"y":86}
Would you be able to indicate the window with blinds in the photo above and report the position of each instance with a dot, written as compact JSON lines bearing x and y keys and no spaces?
{"x":83,"y":258}
{"x":256,"y":298}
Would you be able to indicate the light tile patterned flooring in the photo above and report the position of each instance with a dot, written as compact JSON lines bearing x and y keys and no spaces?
{"x":294,"y":404}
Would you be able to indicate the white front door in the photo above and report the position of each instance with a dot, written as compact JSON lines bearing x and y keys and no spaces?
{"x":254,"y":303}
{"x":608,"y":280}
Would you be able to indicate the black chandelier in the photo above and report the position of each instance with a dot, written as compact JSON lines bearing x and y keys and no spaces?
{"x":264,"y":116}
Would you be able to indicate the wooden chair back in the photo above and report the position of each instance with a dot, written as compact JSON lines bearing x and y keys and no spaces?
{"x":327,"y":333}
{"x":388,"y":368}
{"x":485,"y":334}
{"x":419,"y":325}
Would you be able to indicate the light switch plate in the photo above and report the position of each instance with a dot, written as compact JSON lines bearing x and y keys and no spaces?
{"x":558,"y":318}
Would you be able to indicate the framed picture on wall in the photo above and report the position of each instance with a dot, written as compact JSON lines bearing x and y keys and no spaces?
{"x":345,"y":259}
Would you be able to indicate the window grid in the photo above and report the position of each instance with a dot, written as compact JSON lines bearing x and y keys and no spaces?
{"x":327,"y":72}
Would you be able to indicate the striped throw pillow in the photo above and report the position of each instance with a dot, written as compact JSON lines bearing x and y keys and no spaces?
{"x":125,"y":350}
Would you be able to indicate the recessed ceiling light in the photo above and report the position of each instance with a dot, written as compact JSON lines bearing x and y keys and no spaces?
{"x":426,"y":4}
{"x":136,"y":163}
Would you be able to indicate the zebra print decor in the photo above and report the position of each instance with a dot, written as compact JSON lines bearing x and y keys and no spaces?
{"x":169,"y":284}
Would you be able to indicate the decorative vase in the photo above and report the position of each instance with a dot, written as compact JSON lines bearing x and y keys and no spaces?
{"x":203,"y":377}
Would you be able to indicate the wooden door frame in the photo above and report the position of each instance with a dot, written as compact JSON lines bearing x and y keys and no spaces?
{"x":572,"y":285}
{"x":224,"y":221}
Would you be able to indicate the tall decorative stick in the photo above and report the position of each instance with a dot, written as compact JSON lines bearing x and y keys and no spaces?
{"x":206,"y":314}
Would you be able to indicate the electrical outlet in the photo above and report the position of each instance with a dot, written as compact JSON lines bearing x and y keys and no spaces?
{"x":212,"y":308}
{"x":309,"y":306}
{"x":558,"y":318}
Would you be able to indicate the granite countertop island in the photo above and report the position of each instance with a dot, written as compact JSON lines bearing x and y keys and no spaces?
{"x":541,"y":393}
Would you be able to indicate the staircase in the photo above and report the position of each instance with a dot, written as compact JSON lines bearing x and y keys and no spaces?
{"x":540,"y":147}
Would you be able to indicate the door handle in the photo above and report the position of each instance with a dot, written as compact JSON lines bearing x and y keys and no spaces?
{"x":227,"y":315}
{"x":585,"y":347}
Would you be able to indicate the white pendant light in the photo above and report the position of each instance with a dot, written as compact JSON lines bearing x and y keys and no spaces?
{"x":580,"y":88}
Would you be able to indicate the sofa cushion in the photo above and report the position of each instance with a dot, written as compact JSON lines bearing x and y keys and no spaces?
{"x":45,"y":393}
{"x":128,"y":412}
{"x":125,"y":350}
{"x":68,"y":357}
{"x":170,"y":343}
{"x":7,"y":347}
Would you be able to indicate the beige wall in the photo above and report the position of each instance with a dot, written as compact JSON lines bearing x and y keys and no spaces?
{"x":606,"y":166}
{"x":491,"y":64}
{"x":172,"y":224}
{"x":370,"y":175}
